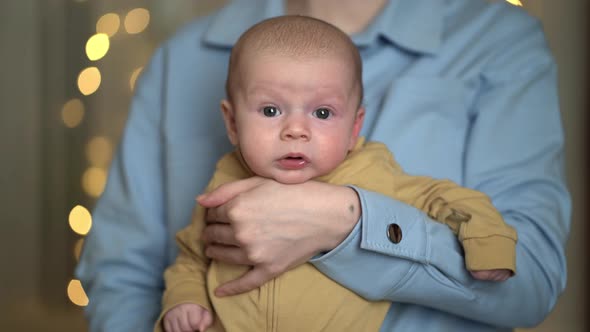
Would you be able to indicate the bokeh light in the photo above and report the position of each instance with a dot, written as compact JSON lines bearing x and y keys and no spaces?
{"x":133,"y":78}
{"x":72,"y":113}
{"x":99,"y":151}
{"x":89,"y":80}
{"x":108,"y":24}
{"x":93,"y":181}
{"x":80,"y":220}
{"x":78,"y":248}
{"x":137,"y":20}
{"x":76,"y":293}
{"x":97,"y":46}
{"x":515,"y":2}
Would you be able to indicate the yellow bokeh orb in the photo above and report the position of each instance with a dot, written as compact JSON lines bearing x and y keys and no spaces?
{"x":72,"y":113}
{"x":99,"y":151}
{"x":515,"y":2}
{"x":89,"y":80}
{"x":78,"y":248}
{"x":93,"y":181}
{"x":133,"y":78}
{"x":76,"y":293}
{"x":137,"y":20}
{"x":97,"y":46}
{"x":108,"y":24}
{"x":80,"y":220}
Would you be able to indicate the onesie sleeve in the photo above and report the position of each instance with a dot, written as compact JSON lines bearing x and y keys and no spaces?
{"x":186,"y":278}
{"x":489,"y":243}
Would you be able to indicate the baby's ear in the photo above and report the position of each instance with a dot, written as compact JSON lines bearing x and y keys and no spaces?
{"x":230,"y":121}
{"x":356,"y":127}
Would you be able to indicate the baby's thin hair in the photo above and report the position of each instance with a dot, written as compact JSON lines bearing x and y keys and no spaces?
{"x":295,"y":36}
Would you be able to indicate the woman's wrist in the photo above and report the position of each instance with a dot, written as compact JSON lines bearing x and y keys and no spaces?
{"x":344,"y":213}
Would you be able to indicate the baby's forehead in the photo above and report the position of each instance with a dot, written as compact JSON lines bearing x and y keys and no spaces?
{"x":295,"y":51}
{"x":286,"y":55}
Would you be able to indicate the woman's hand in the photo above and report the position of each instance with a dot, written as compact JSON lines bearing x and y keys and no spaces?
{"x":274,"y":227}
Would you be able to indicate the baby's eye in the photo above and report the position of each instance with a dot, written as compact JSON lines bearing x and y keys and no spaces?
{"x":322,"y":113}
{"x":270,"y":111}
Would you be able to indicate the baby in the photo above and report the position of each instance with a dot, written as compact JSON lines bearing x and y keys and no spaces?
{"x":294,"y":114}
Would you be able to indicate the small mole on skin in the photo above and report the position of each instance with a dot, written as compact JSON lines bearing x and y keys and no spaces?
{"x":351,"y":208}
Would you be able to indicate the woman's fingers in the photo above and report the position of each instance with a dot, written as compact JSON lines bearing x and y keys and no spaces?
{"x":228,"y":254}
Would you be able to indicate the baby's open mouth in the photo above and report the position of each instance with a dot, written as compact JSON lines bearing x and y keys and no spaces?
{"x":293,"y":161}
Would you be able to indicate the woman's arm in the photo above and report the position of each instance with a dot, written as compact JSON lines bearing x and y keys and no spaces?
{"x":514,"y":154}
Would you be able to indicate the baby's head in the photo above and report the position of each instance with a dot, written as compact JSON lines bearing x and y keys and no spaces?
{"x":294,"y":92}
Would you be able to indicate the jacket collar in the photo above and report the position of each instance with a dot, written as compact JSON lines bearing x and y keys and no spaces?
{"x":231,"y":21}
{"x":415,"y":25}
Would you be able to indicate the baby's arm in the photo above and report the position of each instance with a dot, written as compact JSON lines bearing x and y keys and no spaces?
{"x":186,"y":279}
{"x":186,"y":285}
{"x":187,"y":317}
{"x":488,"y":242}
{"x":492,"y":275}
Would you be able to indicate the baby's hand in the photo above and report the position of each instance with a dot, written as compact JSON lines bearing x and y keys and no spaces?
{"x":492,"y":275}
{"x":187,"y":317}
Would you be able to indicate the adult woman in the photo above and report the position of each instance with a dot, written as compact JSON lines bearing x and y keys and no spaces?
{"x":442,"y":80}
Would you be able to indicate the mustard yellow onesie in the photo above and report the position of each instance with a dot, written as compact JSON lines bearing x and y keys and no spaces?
{"x":303,"y":299}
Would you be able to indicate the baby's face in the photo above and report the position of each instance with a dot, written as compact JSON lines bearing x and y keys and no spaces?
{"x":295,"y":119}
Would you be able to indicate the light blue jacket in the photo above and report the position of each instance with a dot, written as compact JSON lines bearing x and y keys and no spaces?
{"x":458,"y":89}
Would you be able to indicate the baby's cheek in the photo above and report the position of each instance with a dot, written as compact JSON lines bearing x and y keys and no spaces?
{"x":258,"y":161}
{"x":332,"y":159}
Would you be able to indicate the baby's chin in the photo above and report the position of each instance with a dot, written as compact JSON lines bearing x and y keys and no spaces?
{"x":292,"y":177}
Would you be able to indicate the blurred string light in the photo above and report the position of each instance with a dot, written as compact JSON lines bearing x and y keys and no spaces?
{"x":76,"y":293}
{"x":89,"y":80}
{"x":93,"y":181}
{"x":108,"y":24}
{"x":99,"y":149}
{"x":80,"y":220}
{"x":72,"y":113}
{"x":97,"y":46}
{"x":515,"y":2}
{"x":136,"y":20}
{"x":133,"y":77}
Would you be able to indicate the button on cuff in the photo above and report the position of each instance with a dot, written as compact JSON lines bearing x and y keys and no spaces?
{"x":394,"y":233}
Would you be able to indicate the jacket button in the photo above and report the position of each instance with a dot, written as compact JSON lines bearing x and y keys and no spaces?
{"x":394,"y":233}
